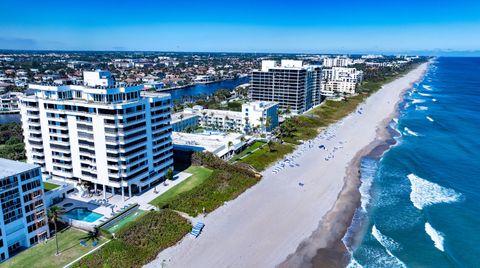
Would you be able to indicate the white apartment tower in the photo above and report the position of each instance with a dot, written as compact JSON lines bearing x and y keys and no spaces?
{"x":23,"y":221}
{"x":113,"y":136}
{"x":291,"y":84}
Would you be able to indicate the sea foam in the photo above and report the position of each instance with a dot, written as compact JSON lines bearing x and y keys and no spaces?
{"x":354,"y":264}
{"x":427,"y":87}
{"x":425,"y":193}
{"x":430,"y":119}
{"x":424,"y":94}
{"x":436,"y":236}
{"x":389,"y":244}
{"x":410,"y":132}
{"x":417,"y":101}
{"x":421,"y":108}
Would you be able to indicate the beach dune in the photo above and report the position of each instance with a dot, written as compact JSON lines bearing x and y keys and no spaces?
{"x":278,"y":221}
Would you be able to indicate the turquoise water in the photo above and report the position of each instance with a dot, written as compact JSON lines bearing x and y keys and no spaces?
{"x":421,"y":200}
{"x":83,"y":214}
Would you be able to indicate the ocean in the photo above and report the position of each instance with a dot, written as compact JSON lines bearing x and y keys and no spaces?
{"x":421,"y":199}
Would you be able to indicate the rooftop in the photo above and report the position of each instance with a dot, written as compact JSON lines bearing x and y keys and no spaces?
{"x":212,"y":142}
{"x":10,"y":167}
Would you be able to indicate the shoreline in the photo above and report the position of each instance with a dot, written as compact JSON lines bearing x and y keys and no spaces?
{"x":276,"y":218}
{"x":336,"y":222}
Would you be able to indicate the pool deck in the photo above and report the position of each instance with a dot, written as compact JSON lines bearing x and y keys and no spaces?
{"x":114,"y":203}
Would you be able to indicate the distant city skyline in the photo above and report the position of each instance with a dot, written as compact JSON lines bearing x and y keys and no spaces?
{"x":430,"y":27}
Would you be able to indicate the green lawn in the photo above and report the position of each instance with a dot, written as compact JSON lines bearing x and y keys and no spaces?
{"x":252,"y":147}
{"x":47,"y":186}
{"x":43,"y":255}
{"x":119,"y":225}
{"x":140,"y":241}
{"x":262,"y":158}
{"x":199,"y":175}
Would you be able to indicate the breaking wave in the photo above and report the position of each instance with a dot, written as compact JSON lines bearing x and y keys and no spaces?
{"x":424,"y":94}
{"x":417,"y":101}
{"x":389,"y":245}
{"x":430,"y":119}
{"x":427,"y":87}
{"x":421,"y":108}
{"x":425,"y":193}
{"x":436,"y":236}
{"x":410,"y":132}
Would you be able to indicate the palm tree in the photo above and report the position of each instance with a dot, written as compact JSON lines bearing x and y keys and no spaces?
{"x":268,"y":123}
{"x":54,"y":214}
{"x":262,"y":119}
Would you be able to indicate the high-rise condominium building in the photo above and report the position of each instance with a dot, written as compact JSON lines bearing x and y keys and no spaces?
{"x":293,"y":85}
{"x":112,"y":135}
{"x":23,"y":221}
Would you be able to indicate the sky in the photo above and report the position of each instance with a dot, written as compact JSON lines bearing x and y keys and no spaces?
{"x":296,"y":26}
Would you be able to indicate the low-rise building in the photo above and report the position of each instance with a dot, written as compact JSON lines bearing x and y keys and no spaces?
{"x":340,"y":80}
{"x":261,"y":115}
{"x":223,"y":145}
{"x":9,"y":102}
{"x":256,"y":116}
{"x":23,"y":219}
{"x":183,"y":120}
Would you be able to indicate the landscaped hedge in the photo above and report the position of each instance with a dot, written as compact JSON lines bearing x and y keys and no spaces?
{"x":140,"y":241}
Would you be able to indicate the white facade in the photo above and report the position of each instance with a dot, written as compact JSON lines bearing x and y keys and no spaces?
{"x":221,"y":119}
{"x":253,"y":117}
{"x":340,"y":80}
{"x":337,"y":62}
{"x":98,"y":78}
{"x":223,"y":145}
{"x":9,"y":102}
{"x":117,"y":138}
{"x":23,"y":220}
{"x":261,"y":115}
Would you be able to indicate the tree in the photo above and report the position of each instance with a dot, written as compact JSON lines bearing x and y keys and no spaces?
{"x":230,"y":144}
{"x":268,"y":123}
{"x":169,"y":175}
{"x":54,"y":214}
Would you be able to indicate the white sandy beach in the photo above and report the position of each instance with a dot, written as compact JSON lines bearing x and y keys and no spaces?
{"x":267,"y":223}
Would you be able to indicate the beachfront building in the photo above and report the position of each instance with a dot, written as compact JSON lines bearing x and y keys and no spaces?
{"x":184,"y":120}
{"x":256,"y":116}
{"x":340,"y":80}
{"x":223,"y":145}
{"x":221,"y":120}
{"x":114,"y":137}
{"x":294,"y":86}
{"x":23,"y":220}
{"x":261,"y":115}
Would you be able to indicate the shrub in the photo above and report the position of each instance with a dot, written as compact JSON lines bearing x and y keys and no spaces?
{"x":140,"y":241}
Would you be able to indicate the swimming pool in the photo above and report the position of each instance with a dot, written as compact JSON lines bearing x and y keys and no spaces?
{"x":83,"y":214}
